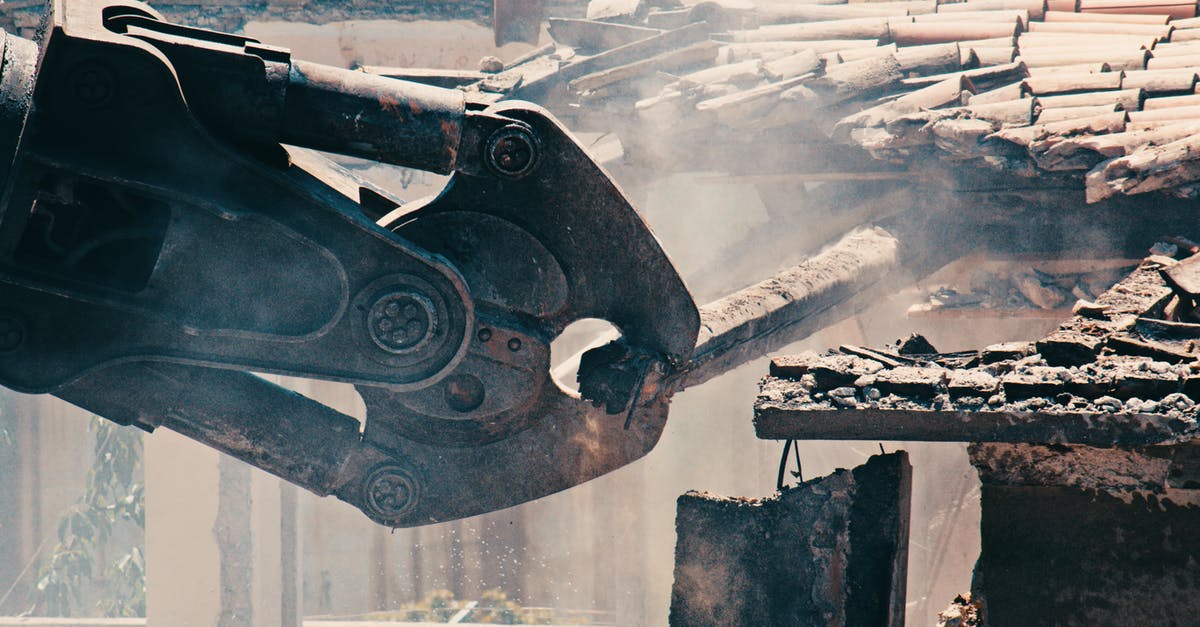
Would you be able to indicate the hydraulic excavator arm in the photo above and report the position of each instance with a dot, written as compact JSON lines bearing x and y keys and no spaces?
{"x":161,"y":238}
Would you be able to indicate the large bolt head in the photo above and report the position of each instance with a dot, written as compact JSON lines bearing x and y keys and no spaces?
{"x":512,"y":151}
{"x":463,"y":392}
{"x":402,"y":321}
{"x":92,"y":84}
{"x":391,"y":492}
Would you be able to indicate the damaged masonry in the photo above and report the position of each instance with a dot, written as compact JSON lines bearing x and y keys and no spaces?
{"x":1084,"y":441}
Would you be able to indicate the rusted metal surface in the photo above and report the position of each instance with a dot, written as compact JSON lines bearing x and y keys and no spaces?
{"x":158,"y":241}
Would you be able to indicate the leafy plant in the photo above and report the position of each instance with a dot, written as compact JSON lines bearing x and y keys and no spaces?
{"x":114,"y":496}
{"x":493,"y":607}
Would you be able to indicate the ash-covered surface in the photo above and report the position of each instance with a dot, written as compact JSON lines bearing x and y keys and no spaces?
{"x":1121,"y":371}
{"x":1114,"y":470}
{"x":830,"y":551}
{"x":1057,"y":555}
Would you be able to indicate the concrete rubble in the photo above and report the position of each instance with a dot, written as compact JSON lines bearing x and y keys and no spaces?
{"x":830,"y":551}
{"x":1116,"y":373}
{"x":1085,"y":442}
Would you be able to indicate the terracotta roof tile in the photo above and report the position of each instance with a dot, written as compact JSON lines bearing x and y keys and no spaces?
{"x":1102,"y":87}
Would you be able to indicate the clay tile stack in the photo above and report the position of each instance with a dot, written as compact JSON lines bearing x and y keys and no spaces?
{"x":1102,"y":90}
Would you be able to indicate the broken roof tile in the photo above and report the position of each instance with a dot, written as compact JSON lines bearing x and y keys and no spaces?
{"x":1095,"y":88}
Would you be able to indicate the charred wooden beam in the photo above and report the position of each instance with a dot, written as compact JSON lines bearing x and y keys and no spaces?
{"x":794,"y":303}
{"x":596,"y":35}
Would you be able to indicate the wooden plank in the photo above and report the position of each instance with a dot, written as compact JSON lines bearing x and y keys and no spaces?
{"x":594,"y":35}
{"x":702,"y":52}
{"x":636,"y":51}
{"x":795,"y":302}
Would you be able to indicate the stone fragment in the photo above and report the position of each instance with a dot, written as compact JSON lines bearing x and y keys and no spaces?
{"x":1033,"y":381}
{"x":911,"y":381}
{"x":1177,"y":401}
{"x":1164,"y":249}
{"x":1006,"y":351}
{"x":1088,"y":309}
{"x":1143,"y":384}
{"x":972,"y":383}
{"x":1069,"y":348}
{"x":1184,"y":276}
{"x":962,"y":612}
{"x":916,"y":344}
{"x":491,"y":65}
{"x":830,"y":551}
{"x":792,"y":366}
{"x":1038,"y":293}
{"x":835,"y":371}
{"x":1109,"y":404}
{"x":1096,"y":526}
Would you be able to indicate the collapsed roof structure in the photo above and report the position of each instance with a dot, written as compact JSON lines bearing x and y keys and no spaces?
{"x":1045,"y":90}
{"x":1061,"y":128}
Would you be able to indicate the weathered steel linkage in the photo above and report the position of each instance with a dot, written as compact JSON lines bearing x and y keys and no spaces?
{"x":164,"y":233}
{"x":161,"y":236}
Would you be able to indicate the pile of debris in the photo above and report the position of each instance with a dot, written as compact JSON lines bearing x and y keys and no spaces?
{"x":1124,"y":368}
{"x":1028,"y":291}
{"x":963,"y":612}
{"x":1028,"y":87}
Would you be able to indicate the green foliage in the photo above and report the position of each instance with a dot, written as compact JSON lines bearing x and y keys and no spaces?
{"x":114,"y":496}
{"x":493,"y":607}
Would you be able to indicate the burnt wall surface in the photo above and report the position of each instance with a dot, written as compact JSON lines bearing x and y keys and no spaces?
{"x":22,"y":16}
{"x":830,"y":551}
{"x":1075,"y":535}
